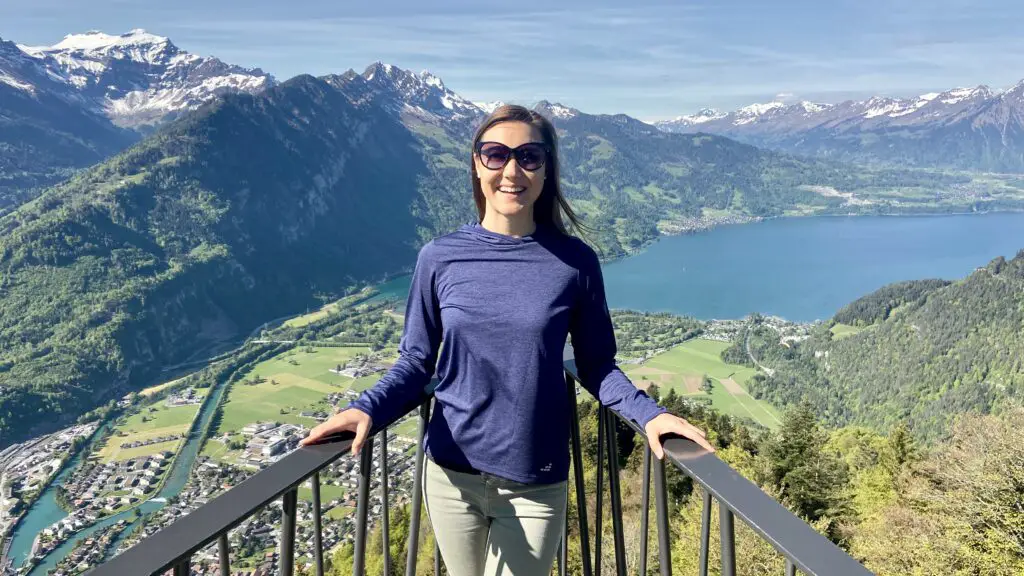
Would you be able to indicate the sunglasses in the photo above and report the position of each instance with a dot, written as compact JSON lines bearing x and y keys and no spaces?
{"x":495,"y":155}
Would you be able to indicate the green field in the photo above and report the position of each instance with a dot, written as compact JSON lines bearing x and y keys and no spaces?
{"x":339,"y":512}
{"x":161,"y":420}
{"x":295,"y":381}
{"x":682,"y":368}
{"x":840,"y":331}
{"x":327,"y":493}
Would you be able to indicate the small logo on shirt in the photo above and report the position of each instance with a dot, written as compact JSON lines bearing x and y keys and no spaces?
{"x":546,"y":468}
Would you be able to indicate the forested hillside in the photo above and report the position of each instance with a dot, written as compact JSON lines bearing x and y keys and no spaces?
{"x":926,"y":353}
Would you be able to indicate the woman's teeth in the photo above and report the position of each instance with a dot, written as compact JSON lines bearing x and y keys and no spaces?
{"x":511,"y":189}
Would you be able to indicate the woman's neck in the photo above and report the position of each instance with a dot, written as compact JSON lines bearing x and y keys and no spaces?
{"x":509,"y":226}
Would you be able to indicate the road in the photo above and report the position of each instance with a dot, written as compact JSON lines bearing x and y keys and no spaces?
{"x":750,"y":354}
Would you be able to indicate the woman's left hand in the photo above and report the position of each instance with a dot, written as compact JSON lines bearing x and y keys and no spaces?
{"x":671,"y":424}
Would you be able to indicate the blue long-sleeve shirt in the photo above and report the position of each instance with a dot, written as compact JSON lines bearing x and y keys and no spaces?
{"x":502,"y":308}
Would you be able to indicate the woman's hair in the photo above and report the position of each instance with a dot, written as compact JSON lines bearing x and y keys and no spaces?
{"x":551,"y":207}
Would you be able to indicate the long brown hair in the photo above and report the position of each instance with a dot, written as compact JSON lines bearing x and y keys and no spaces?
{"x":551,"y":208}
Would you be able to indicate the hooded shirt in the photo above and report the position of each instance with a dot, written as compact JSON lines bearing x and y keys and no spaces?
{"x":493,"y":313}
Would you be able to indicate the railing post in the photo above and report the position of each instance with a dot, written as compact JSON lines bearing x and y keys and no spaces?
{"x":384,"y":498}
{"x":661,"y":503}
{"x":705,"y":535}
{"x":417,"y":494}
{"x":362,"y":507}
{"x":600,"y":489}
{"x":614,"y":494}
{"x":222,"y":552}
{"x":790,"y":568}
{"x":725,"y":523}
{"x":318,"y":539}
{"x":577,"y":466}
{"x":288,"y":507}
{"x":645,"y":504}
{"x":184,"y":567}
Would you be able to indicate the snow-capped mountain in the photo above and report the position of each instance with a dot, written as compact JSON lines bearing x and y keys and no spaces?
{"x":46,"y":128}
{"x":140,"y":78}
{"x":420,"y":92}
{"x":971,"y":128}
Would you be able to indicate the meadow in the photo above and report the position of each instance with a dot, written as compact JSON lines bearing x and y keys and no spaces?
{"x":683,"y":368}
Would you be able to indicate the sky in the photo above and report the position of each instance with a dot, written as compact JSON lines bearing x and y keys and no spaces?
{"x":653,"y":60}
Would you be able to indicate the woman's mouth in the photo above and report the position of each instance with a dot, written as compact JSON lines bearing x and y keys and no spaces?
{"x":515,"y":190}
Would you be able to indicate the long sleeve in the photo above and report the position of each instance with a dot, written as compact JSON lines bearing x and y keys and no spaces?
{"x":593,"y":342}
{"x":404,"y":384}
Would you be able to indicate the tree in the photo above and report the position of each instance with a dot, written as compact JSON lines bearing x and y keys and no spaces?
{"x":811,"y":480}
{"x":706,"y":383}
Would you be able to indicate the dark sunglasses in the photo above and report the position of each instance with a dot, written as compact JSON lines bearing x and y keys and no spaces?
{"x":529,"y":156}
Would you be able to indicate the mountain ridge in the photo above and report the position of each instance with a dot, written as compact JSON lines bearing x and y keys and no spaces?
{"x":964,"y":128}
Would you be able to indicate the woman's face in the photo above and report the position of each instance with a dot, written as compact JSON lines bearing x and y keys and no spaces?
{"x":511,"y":190}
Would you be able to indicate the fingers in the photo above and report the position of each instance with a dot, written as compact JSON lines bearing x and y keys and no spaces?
{"x":656,"y":449}
{"x":362,"y":429}
{"x":690,"y":431}
{"x":351,"y":420}
{"x":668,"y":424}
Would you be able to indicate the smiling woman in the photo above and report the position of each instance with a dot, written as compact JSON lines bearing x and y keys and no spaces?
{"x":502,"y":296}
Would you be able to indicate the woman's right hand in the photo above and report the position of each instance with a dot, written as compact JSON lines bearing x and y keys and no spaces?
{"x":351,"y":420}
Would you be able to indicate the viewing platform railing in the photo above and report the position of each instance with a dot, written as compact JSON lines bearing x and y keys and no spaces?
{"x":172,"y":548}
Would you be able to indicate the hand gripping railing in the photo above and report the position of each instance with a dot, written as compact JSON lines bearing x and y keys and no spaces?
{"x":172,"y":548}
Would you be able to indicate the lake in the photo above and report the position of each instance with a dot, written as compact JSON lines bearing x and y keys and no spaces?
{"x":802,"y":269}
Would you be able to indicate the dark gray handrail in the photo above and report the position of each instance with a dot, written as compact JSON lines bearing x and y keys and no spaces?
{"x":792,"y":537}
{"x":191,"y":533}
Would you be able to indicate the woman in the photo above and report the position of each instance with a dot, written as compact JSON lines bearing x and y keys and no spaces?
{"x":502,"y":296}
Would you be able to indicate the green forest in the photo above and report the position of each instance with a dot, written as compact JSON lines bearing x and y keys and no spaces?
{"x":925,"y":353}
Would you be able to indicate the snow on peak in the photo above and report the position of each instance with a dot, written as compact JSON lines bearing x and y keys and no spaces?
{"x":560,"y":111}
{"x":489,"y":107}
{"x":702,"y":115}
{"x":137,"y":77}
{"x":759,"y":109}
{"x":94,"y":40}
{"x":812,"y":107}
{"x":750,"y":113}
{"x":431,"y":80}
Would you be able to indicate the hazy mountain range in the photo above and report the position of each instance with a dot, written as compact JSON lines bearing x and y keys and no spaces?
{"x":965,"y":128}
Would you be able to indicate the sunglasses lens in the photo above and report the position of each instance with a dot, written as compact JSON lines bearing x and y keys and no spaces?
{"x":494,"y":156}
{"x":530,"y":156}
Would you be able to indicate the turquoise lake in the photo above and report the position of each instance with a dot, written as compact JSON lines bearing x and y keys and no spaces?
{"x":802,"y":269}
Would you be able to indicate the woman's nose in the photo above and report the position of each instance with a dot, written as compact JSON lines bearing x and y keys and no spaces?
{"x":512,"y":168}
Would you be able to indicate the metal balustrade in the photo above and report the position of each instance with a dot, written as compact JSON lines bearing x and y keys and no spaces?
{"x":173,"y":547}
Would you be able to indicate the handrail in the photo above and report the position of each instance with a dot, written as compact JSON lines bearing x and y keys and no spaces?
{"x":191,"y":533}
{"x":173,"y":546}
{"x":792,"y":537}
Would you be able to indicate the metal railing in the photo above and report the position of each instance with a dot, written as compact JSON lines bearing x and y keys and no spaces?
{"x":173,"y":547}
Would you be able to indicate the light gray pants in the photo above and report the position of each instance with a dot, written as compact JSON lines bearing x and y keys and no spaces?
{"x":486,"y":526}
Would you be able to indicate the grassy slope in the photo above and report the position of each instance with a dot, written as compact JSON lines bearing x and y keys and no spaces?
{"x":696,"y":358}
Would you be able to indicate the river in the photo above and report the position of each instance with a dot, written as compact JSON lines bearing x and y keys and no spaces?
{"x":45,"y":511}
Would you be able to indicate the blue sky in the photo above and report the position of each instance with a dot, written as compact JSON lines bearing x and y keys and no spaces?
{"x":652,"y":60}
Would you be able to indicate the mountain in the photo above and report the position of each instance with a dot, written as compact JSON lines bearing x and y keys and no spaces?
{"x":138,"y":79}
{"x":964,"y":128}
{"x":921,"y":353}
{"x":258,"y":205}
{"x":71,"y":105}
{"x":46,"y":129}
